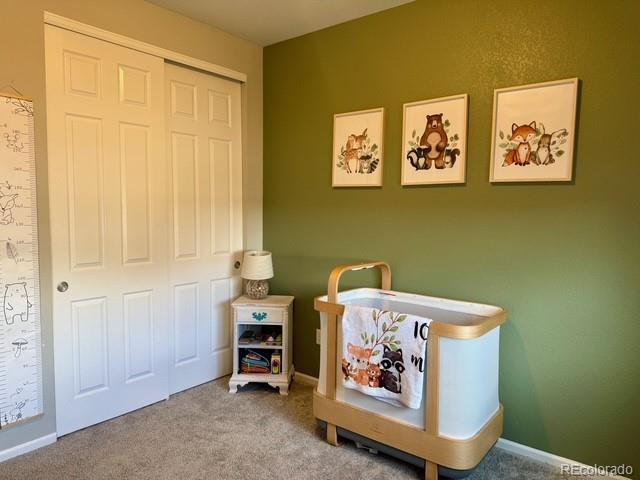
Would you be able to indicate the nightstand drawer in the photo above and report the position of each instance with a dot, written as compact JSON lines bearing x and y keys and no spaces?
{"x":260,"y":315}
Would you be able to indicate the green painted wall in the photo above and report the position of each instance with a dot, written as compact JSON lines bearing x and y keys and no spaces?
{"x":564,"y":259}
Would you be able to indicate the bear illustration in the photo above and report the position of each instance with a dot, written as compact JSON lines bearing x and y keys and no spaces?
{"x":16,"y":302}
{"x":434,"y":141}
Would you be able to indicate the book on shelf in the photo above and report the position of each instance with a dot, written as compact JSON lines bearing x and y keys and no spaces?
{"x":248,"y":336}
{"x":267,"y":339}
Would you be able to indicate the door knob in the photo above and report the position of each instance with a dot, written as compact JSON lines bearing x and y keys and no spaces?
{"x":236,"y":265}
{"x":63,"y":286}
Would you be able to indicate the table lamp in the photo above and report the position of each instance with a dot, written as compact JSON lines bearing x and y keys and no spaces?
{"x":257,"y":268}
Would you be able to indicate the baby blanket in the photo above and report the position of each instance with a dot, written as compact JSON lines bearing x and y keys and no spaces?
{"x":384,"y":354}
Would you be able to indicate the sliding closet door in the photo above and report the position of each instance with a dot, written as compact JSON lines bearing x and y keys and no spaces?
{"x":109,"y":222}
{"x":204,"y":147}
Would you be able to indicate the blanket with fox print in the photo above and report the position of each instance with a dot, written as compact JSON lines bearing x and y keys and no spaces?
{"x":383,"y":354}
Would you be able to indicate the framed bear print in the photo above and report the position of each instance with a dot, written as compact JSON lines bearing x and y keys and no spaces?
{"x":434,"y":141}
{"x":534,"y":132}
{"x":357,"y":148}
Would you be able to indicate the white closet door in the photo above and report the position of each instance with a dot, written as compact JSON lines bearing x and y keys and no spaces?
{"x":204,"y":147}
{"x":108,"y":210}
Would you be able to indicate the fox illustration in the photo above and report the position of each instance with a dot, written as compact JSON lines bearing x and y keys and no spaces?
{"x":355,"y":144}
{"x":521,"y":155}
{"x":359,"y":357}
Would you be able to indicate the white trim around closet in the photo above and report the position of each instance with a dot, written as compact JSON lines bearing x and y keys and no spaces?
{"x":75,"y":26}
{"x":546,"y":457}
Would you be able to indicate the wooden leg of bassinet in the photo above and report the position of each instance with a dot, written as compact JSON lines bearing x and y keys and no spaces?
{"x":430,"y":471}
{"x":332,"y":434}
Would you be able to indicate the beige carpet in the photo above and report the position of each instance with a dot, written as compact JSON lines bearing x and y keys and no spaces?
{"x":207,"y":433}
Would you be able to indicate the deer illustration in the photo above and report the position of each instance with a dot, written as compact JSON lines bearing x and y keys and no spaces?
{"x":355,"y":144}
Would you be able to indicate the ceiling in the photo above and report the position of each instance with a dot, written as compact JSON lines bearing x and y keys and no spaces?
{"x":270,"y":21}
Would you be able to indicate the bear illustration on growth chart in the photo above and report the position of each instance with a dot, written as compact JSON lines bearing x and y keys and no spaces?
{"x":16,"y":302}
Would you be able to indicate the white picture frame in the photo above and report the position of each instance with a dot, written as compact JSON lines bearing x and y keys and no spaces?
{"x":533,"y":132}
{"x":427,"y":157}
{"x":358,"y":148}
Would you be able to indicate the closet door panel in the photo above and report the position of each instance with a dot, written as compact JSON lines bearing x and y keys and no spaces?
{"x":136,"y":191}
{"x":85,"y":205}
{"x":220,"y":167}
{"x":109,"y":225}
{"x":206,"y":178}
{"x":186,"y":190}
{"x":138,"y":330}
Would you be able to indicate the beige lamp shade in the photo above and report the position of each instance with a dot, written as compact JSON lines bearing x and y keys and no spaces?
{"x":257,"y":265}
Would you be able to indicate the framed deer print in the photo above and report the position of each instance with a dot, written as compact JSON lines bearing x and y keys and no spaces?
{"x":357,"y":148}
{"x":534,"y":132}
{"x":434,"y":141}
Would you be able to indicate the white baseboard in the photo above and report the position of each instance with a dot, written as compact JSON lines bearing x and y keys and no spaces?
{"x":306,"y":379}
{"x":502,"y":443}
{"x":27,"y":447}
{"x":542,"y":456}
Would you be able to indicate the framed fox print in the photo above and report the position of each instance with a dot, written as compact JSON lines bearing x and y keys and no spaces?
{"x":534,"y":132}
{"x":357,"y":148}
{"x":434,"y":141}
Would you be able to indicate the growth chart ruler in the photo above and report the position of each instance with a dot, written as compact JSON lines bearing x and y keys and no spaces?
{"x":20,"y":346}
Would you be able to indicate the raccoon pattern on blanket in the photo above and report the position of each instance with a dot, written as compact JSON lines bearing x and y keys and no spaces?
{"x":392,"y":367}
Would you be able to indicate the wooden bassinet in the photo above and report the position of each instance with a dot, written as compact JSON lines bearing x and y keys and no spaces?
{"x":427,"y":443}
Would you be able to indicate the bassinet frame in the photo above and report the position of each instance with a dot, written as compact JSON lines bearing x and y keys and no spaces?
{"x":424,"y":443}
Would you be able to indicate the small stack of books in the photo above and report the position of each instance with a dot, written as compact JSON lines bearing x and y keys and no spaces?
{"x":253,"y":362}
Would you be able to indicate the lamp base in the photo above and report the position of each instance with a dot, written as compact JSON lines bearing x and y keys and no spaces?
{"x":257,"y":289}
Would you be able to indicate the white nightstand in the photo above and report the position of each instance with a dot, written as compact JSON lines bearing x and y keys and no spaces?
{"x":267,"y":317}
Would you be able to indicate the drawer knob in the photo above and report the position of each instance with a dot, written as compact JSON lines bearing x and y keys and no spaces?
{"x":259,"y":316}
